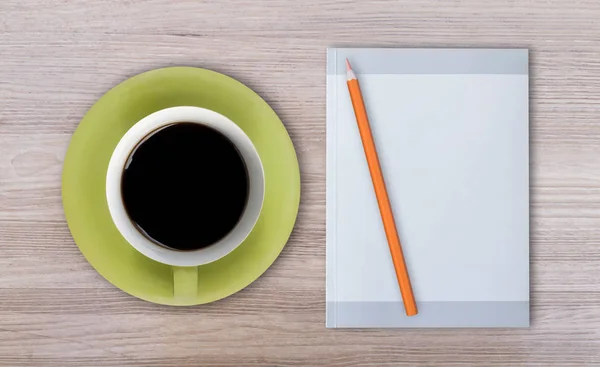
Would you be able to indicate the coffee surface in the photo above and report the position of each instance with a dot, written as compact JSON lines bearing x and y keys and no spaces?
{"x":186,"y":186}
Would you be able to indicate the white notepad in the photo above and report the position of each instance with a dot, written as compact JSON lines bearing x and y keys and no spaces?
{"x":451,"y":128}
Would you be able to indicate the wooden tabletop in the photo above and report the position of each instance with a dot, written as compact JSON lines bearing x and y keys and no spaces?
{"x":58,"y":57}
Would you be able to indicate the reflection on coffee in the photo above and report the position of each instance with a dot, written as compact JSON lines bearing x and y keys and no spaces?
{"x":185,"y":186}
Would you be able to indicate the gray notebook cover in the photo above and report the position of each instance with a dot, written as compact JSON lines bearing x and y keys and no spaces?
{"x":451,"y":128}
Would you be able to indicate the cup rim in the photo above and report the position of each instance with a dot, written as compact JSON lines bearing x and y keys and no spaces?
{"x":141,"y":131}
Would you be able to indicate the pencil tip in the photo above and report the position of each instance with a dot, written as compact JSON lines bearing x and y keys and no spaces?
{"x":348,"y":67}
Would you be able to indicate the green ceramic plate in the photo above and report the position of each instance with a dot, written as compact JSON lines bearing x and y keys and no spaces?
{"x":86,"y":162}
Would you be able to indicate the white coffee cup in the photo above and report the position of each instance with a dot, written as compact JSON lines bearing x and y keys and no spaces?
{"x":119,"y":160}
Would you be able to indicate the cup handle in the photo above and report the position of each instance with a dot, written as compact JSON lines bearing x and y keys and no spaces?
{"x":185,"y":283}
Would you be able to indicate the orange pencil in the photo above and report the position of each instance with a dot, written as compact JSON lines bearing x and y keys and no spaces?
{"x":383,"y":201}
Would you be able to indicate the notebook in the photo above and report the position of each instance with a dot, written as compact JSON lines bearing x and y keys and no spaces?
{"x":451,"y":128}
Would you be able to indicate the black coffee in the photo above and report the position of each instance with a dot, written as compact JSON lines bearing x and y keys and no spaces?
{"x":186,"y":186}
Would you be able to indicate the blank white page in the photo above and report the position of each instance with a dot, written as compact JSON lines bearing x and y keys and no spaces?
{"x":454,"y":152}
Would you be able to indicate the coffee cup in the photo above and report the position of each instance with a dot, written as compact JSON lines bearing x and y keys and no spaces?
{"x":177,"y":193}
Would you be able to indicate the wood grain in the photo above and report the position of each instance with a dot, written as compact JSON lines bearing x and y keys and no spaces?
{"x":58,"y":57}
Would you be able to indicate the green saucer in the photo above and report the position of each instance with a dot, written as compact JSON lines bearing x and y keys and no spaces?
{"x":90,"y":149}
